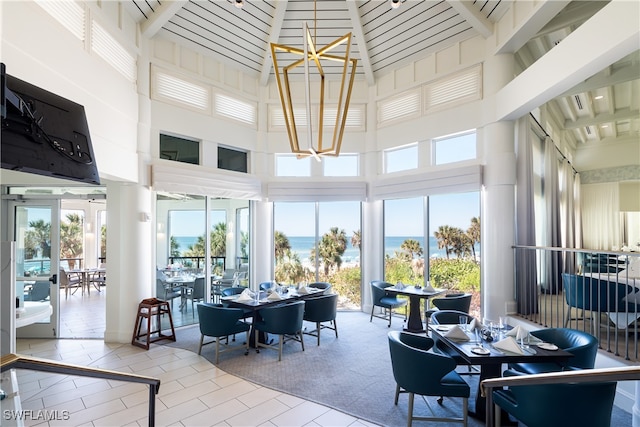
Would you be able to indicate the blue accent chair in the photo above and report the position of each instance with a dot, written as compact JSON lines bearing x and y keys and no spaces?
{"x":380,"y":298}
{"x":219,"y":322}
{"x":559,"y":405}
{"x":435,"y":375}
{"x":284,"y":320}
{"x":582,"y":345}
{"x":321,"y":310}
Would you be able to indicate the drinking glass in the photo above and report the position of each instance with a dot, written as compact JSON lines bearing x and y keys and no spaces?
{"x":503,"y":322}
{"x":462,"y":321}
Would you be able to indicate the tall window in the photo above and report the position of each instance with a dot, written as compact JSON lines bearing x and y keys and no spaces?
{"x":72,"y":238}
{"x":404,"y":240}
{"x":319,"y":242}
{"x":450,"y":258}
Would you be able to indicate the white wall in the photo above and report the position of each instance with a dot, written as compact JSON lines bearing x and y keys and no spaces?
{"x":37,"y":49}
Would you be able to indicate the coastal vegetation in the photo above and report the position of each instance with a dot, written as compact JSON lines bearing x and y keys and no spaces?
{"x":458,"y":271}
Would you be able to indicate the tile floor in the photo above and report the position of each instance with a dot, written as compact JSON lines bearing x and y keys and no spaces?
{"x":193,"y":391}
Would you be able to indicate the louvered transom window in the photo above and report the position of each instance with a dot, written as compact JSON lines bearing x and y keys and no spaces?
{"x":404,"y":106}
{"x":70,"y":14}
{"x":233,"y":108}
{"x":179,"y":90}
{"x":277,"y":117}
{"x":464,"y":86}
{"x":355,"y":117}
{"x":103,"y":44}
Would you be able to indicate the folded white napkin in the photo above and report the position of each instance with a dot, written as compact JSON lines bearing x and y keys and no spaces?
{"x":274,"y":296}
{"x":509,"y":344}
{"x":518,"y":332}
{"x":475,"y":324}
{"x":457,"y":334}
{"x":303,"y":290}
{"x":246,"y":295}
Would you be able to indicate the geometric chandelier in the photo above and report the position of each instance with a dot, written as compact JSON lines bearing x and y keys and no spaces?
{"x":313,"y":143}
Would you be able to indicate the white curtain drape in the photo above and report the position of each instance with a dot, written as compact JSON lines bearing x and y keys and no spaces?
{"x":600,"y":216}
{"x":553,"y":266}
{"x":526,"y":276}
{"x":568,"y":214}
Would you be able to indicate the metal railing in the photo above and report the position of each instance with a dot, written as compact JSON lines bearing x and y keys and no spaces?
{"x":197,"y":262}
{"x":16,"y":361}
{"x":627,"y":373}
{"x":602,"y":296}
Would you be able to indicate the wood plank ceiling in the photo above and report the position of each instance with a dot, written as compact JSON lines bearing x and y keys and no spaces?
{"x":385,"y":38}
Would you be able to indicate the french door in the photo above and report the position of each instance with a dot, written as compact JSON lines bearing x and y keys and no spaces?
{"x":35,"y":225}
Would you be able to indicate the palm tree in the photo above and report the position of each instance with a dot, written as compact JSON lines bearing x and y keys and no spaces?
{"x":281,"y":243}
{"x":331,"y":247}
{"x":461,"y":244}
{"x":474,"y":234}
{"x":174,"y":246}
{"x":412,"y":247}
{"x":289,"y":269}
{"x":218,"y":238}
{"x":356,"y":240}
{"x":445,"y":236}
{"x":71,"y":238}
{"x":38,"y":237}
{"x":218,"y":245}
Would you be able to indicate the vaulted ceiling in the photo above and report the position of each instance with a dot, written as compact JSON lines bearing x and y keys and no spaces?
{"x":384,"y":38}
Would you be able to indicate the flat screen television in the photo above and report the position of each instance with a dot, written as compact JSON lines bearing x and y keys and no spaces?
{"x":43,"y":133}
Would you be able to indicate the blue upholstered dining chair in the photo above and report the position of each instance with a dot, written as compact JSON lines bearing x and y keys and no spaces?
{"x":320,"y":310}
{"x":284,"y":320}
{"x":451,"y":317}
{"x":558,"y":405}
{"x":420,"y":371}
{"x":582,"y":345}
{"x":380,"y":298}
{"x":321,"y":285}
{"x":219,"y":322}
{"x":453,"y":301}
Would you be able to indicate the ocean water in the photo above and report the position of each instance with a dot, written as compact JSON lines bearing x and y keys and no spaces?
{"x":302,"y":245}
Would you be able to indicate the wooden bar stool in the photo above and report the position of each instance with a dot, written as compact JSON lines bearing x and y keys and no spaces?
{"x":147,"y":309}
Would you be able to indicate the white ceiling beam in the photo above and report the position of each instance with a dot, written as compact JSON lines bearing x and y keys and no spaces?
{"x":609,"y":36}
{"x":473,"y":17}
{"x":365,"y":62}
{"x":598,"y":119}
{"x":160,"y":17}
{"x":274,"y":35}
{"x":606,"y":78}
{"x":573,"y":15}
{"x":531,"y":25}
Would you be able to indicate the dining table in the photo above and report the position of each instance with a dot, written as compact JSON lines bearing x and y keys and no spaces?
{"x":184,"y":282}
{"x":266,"y":299}
{"x":415,"y":294}
{"x":85,"y":275}
{"x":479,"y":350}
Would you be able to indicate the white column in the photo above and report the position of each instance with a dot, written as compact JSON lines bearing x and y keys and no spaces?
{"x":498,"y":207}
{"x":129,"y":257}
{"x":261,"y":248}
{"x":372,"y":253}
